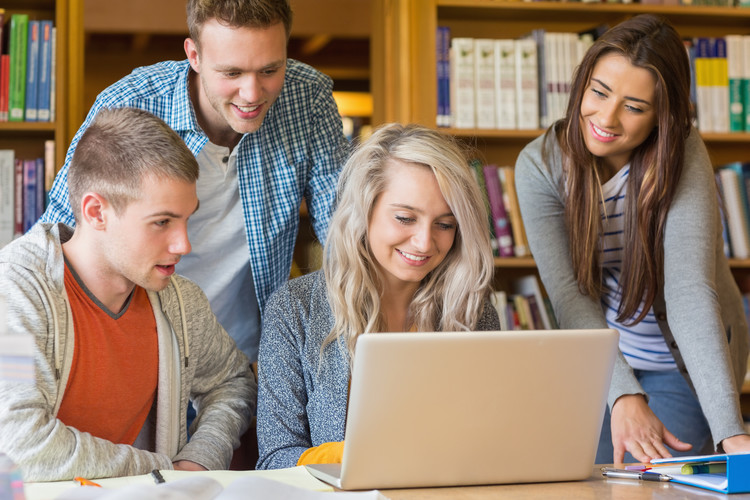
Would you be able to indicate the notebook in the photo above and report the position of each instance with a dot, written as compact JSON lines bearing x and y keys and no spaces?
{"x":449,"y":409}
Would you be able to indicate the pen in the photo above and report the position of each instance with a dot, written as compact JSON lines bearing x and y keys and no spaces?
{"x":86,"y":482}
{"x":632,"y":474}
{"x":157,"y":476}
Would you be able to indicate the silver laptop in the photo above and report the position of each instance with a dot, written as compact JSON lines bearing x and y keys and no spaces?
{"x":448,"y":409}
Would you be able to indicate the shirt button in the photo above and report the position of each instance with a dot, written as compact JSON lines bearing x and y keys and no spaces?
{"x":225,"y":159}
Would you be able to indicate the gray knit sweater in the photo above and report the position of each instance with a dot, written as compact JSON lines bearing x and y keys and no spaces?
{"x":302,"y":395}
{"x":197,"y":360}
{"x":699,"y":310}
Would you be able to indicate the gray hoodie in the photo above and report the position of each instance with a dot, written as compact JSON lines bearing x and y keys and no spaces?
{"x":197,"y":360}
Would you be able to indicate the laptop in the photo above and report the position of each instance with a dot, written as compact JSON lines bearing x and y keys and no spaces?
{"x":467,"y":408}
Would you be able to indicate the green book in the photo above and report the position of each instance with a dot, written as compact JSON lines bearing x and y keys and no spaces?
{"x":19,"y":29}
{"x":735,"y":74}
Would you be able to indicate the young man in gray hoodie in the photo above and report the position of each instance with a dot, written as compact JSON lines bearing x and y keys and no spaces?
{"x":122,"y":343}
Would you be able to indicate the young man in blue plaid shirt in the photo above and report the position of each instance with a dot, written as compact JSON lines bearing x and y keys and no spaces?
{"x":266,"y":132}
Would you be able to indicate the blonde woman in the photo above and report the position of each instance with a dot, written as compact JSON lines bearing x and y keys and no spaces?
{"x":408,"y":250}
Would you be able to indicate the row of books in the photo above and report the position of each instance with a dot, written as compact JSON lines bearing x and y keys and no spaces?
{"x":525,"y":83}
{"x":27,"y":69}
{"x":721,"y":82}
{"x":734,"y":187}
{"x":525,"y":307}
{"x":24,"y":186}
{"x":505,"y":83}
{"x":505,"y":224}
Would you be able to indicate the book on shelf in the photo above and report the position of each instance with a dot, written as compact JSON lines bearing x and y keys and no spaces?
{"x":4,"y":86}
{"x":735,"y":75}
{"x":7,"y":196}
{"x":505,"y":84}
{"x":500,"y":219}
{"x":23,"y":190}
{"x":45,"y":71}
{"x":18,"y":199}
{"x":31,"y":91}
{"x":463,"y":112}
{"x":719,"y":85}
{"x":30,"y":187}
{"x":528,"y":286}
{"x":520,"y":242}
{"x":478,"y":170}
{"x":746,"y":80}
{"x":538,"y":36}
{"x":443,"y":41}
{"x":52,"y":74}
{"x":484,"y":82}
{"x":2,"y":30}
{"x":50,"y":169}
{"x":19,"y":24}
{"x":527,"y":96}
{"x":499,"y":300}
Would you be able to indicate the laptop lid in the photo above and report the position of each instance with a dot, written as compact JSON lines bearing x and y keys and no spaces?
{"x":446,"y":408}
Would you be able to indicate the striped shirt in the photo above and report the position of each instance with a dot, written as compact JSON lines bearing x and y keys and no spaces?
{"x":297,"y":153}
{"x":642,"y":344}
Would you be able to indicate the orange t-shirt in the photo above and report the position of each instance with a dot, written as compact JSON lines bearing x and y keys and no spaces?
{"x":113,"y":379}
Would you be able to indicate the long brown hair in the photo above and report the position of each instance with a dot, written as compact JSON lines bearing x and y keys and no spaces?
{"x":651,"y":43}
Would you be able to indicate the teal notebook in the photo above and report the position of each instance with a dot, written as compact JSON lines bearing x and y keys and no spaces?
{"x":736,"y":479}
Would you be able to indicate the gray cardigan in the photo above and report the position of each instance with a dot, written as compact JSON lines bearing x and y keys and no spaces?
{"x":302,"y":395}
{"x":699,"y":311}
{"x":197,"y":360}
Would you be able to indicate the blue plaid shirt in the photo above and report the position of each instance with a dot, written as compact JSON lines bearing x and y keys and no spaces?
{"x":297,"y":152}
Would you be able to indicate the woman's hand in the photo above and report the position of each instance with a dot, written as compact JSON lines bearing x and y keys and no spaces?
{"x":636,"y":429}
{"x":736,"y":444}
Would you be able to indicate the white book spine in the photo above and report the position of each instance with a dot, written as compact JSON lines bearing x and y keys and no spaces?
{"x":527,"y":96}
{"x":484,"y":82}
{"x":463,"y":113}
{"x":550,"y":68}
{"x":738,"y":231}
{"x":7,"y":196}
{"x":505,"y":83}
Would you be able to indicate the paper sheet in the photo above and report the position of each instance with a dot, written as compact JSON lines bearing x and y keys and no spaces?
{"x":242,"y":481}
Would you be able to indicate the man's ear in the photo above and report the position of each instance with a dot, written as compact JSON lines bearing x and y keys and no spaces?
{"x":95,"y":210}
{"x":191,"y":51}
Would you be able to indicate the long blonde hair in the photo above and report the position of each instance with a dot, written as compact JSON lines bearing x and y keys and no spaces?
{"x":451,"y":297}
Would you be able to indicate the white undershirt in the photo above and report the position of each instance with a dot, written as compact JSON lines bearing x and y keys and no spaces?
{"x":220,"y":261}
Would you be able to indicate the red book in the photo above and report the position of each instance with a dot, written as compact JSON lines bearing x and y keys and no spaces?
{"x":500,"y":217}
{"x":4,"y":86}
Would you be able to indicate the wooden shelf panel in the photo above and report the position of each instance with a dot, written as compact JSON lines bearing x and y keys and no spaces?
{"x":521,"y":262}
{"x":24,"y":128}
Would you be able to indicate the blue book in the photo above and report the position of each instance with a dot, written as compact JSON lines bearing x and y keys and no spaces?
{"x":32,"y":71}
{"x":45,"y":70}
{"x":29,"y":194}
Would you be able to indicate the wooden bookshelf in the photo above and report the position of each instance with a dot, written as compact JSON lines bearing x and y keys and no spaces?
{"x":404,"y":64}
{"x":27,"y":138}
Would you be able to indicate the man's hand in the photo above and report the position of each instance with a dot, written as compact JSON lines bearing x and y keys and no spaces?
{"x":636,"y":429}
{"x":187,"y":465}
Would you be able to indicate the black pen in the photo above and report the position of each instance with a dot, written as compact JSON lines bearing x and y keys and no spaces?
{"x":157,"y":476}
{"x":634,"y":474}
